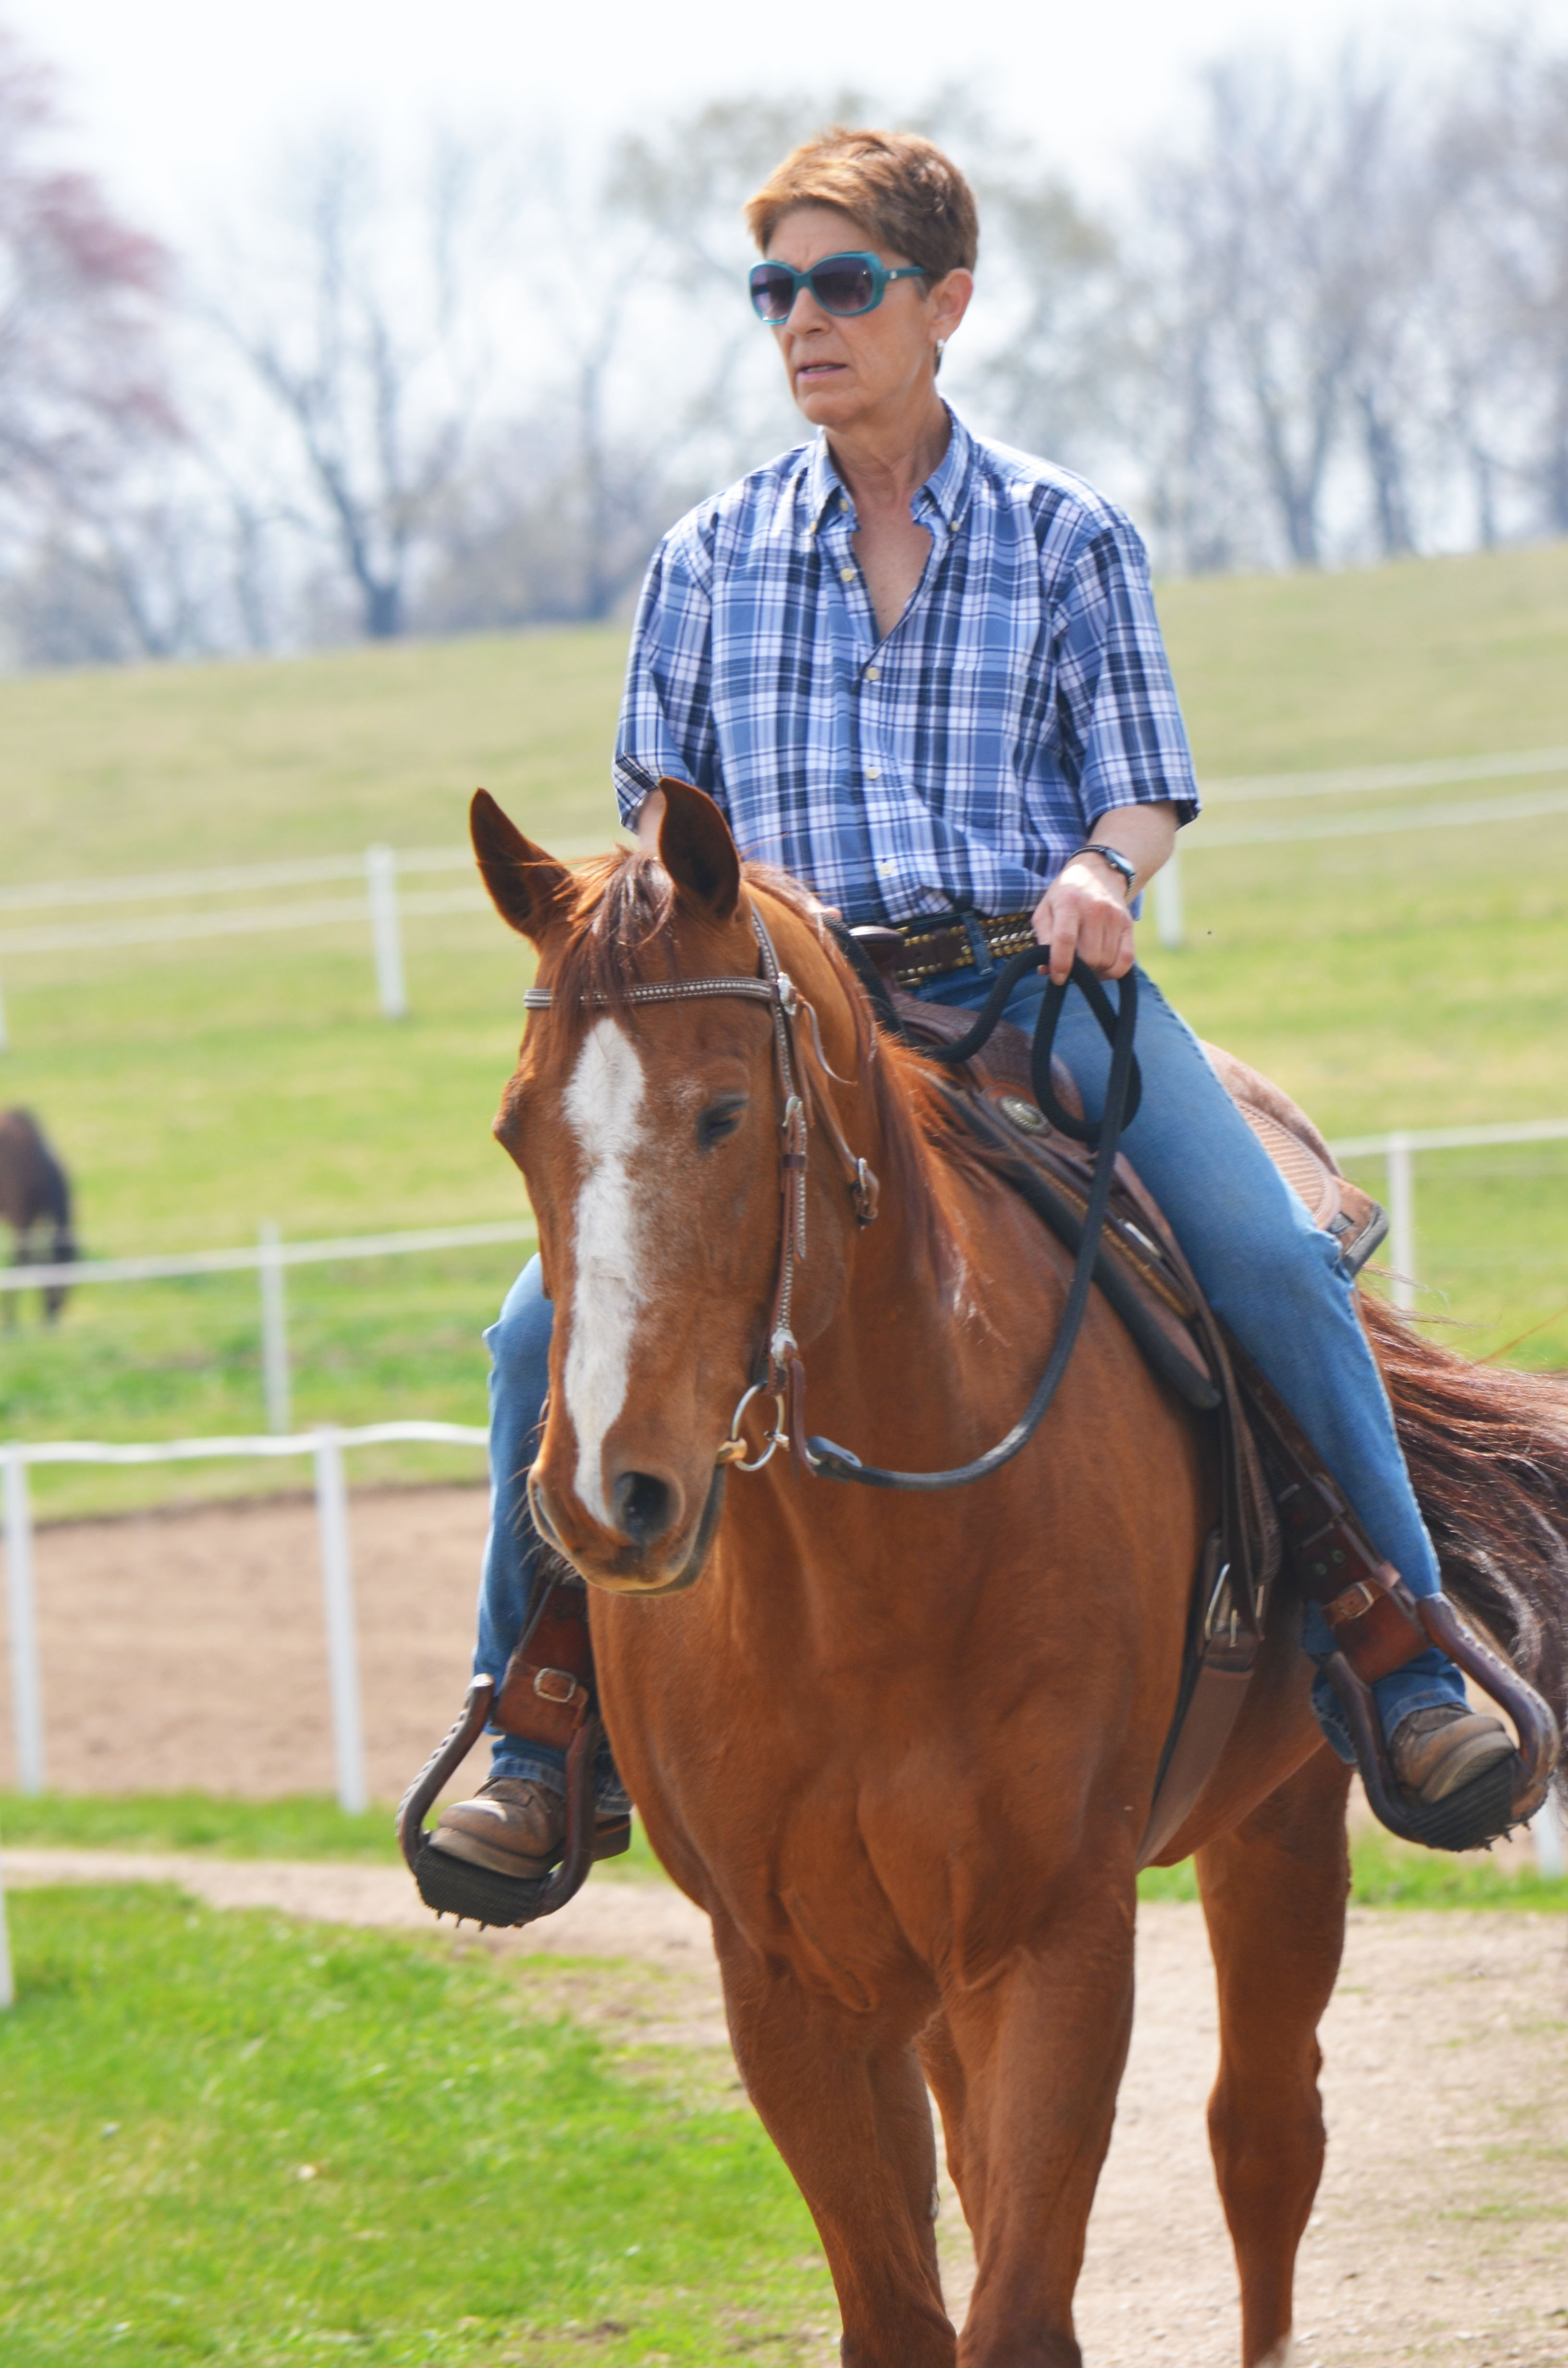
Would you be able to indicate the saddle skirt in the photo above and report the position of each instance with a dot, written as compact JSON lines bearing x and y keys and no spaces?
{"x":1144,"y":1273}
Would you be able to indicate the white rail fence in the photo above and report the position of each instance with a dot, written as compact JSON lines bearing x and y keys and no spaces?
{"x":1398,"y":1151}
{"x":383,"y":901}
{"x":270,"y":1259}
{"x":382,"y":905}
{"x":272,"y":1255}
{"x":1266,"y":788}
{"x":326,"y":1447}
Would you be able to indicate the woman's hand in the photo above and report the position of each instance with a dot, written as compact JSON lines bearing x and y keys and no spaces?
{"x":1085,"y":910}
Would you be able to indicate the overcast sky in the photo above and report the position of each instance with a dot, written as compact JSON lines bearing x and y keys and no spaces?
{"x":180,"y":104}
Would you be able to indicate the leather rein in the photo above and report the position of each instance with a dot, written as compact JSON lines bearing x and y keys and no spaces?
{"x":782,"y":1374}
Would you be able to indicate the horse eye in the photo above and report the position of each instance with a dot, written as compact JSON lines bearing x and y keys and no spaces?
{"x":720,"y":1118}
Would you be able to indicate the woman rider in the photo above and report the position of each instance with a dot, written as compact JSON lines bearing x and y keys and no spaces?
{"x":924,"y":672}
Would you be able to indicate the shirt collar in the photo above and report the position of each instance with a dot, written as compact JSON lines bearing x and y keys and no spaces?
{"x":946,"y":490}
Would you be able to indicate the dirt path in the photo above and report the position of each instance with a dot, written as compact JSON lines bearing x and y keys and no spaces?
{"x":1441,"y":2231}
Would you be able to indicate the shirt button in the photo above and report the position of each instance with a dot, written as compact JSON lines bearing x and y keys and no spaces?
{"x":886,"y":866}
{"x":846,"y":574}
{"x":873,"y":772}
{"x":872,"y":672}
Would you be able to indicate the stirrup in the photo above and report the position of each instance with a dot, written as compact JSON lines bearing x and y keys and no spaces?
{"x":1507,"y":1794}
{"x":454,"y":1887}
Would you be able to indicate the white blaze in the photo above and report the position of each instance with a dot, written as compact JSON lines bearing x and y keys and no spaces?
{"x":602,"y":1104}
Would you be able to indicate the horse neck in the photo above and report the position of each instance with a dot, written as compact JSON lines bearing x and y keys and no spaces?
{"x":927,"y":1283}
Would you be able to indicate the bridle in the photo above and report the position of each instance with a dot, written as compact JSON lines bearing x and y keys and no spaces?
{"x":782,"y":1375}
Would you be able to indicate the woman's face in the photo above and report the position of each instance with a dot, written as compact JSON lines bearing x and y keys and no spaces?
{"x":843,"y":372}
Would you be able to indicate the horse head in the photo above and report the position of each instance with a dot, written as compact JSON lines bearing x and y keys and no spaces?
{"x":648,"y":1133}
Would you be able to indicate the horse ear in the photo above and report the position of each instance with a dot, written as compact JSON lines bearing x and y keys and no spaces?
{"x":527,"y":887}
{"x":697,"y":850}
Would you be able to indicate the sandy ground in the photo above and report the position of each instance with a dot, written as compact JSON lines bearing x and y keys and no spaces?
{"x":1441,"y":2230}
{"x":189,"y":1648}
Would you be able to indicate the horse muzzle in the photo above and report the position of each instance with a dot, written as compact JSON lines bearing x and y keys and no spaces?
{"x":649,"y":1551}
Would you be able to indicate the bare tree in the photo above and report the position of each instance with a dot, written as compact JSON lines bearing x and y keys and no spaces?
{"x":1296,"y":252}
{"x":1504,"y":152}
{"x":364,"y":326}
{"x":84,"y":392}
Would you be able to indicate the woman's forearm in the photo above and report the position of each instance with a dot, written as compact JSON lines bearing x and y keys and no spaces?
{"x":1145,"y":834}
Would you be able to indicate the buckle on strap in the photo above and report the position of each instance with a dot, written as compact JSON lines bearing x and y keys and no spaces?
{"x":558,"y":1686}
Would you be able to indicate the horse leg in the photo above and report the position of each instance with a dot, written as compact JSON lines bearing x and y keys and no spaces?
{"x":1274,"y":1893}
{"x":1026,"y":2072}
{"x":841,"y":2095}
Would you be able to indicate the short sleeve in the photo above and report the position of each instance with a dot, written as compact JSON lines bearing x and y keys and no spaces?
{"x":1123,"y":742}
{"x":667,"y":708}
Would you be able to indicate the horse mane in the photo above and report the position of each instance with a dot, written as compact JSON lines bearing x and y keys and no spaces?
{"x":622,"y":928}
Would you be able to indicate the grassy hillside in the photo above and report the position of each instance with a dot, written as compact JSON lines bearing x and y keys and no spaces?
{"x":199,"y":1088}
{"x":144,"y":767}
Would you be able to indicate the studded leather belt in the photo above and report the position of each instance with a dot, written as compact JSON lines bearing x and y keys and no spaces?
{"x":928,"y":952}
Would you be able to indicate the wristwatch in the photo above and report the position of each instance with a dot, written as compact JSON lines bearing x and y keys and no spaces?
{"x":1126,"y":872}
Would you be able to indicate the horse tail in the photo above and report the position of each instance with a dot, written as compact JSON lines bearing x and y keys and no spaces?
{"x":1487,"y":1447}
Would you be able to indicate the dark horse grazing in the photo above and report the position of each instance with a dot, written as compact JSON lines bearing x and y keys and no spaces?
{"x":35,"y":1193}
{"x":902,"y":1749}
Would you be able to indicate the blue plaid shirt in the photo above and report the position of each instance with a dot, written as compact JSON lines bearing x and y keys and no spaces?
{"x":956,"y":765}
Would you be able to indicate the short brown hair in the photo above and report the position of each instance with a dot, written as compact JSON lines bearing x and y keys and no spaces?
{"x":912,"y":199}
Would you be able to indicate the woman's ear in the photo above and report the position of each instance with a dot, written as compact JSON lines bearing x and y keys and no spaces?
{"x":949,"y":300}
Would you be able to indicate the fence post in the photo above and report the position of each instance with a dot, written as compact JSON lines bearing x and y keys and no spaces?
{"x":1169,"y":920}
{"x":1401,"y":1219}
{"x":1551,"y":1842}
{"x":380,"y":879}
{"x":342,"y":1647}
{"x":274,"y":1331}
{"x":26,"y":1688}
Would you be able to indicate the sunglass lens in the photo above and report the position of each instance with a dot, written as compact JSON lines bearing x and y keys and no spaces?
{"x":772,"y":291}
{"x":843,"y":284}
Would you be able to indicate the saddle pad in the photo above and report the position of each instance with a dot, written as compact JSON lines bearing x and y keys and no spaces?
{"x":1303,"y":1158}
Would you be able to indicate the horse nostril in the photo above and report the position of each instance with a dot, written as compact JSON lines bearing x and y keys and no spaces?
{"x":643,"y":1506}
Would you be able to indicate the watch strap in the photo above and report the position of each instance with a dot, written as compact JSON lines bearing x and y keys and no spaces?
{"x":1125,"y":869}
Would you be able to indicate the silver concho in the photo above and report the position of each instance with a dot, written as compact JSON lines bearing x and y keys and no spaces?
{"x":1024,"y":1114}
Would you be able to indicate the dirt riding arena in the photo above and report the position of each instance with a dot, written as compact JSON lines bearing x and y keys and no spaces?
{"x":186,"y":1650}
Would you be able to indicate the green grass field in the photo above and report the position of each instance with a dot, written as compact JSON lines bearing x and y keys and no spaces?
{"x":229,"y":2137}
{"x":198,"y":1089}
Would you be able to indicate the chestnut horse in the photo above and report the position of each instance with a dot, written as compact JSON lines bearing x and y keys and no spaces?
{"x":902,"y":1749}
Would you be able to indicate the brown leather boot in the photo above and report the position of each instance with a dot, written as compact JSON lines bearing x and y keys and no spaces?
{"x":512,"y":1826}
{"x":1434,"y":1752}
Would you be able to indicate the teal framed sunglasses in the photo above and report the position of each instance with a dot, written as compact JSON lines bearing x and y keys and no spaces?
{"x":842,"y":284}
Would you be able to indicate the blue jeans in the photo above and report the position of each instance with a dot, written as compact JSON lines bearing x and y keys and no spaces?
{"x":518,"y":1342}
{"x":1266,"y":1270}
